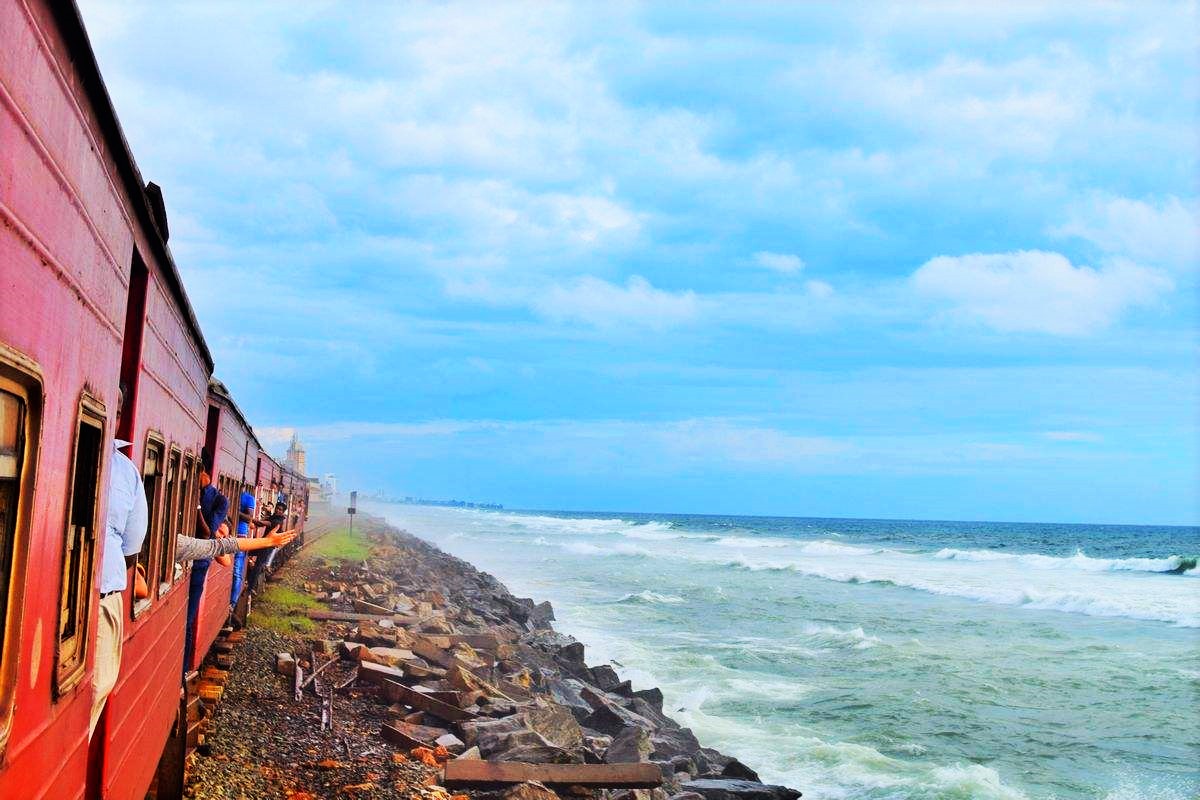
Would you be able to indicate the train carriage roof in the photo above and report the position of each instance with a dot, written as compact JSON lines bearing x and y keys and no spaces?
{"x":146,"y":199}
{"x":219,"y":390}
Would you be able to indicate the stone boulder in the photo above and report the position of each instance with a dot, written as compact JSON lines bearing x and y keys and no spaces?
{"x":529,"y":791}
{"x":556,"y":723}
{"x":734,"y":789}
{"x":565,"y":692}
{"x":667,"y":744}
{"x":652,"y":696}
{"x":606,"y":678}
{"x":540,"y":753}
{"x":630,"y":746}
{"x":612,"y":719}
{"x":736,"y":769}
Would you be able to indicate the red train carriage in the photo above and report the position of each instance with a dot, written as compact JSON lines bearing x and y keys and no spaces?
{"x":89,"y":299}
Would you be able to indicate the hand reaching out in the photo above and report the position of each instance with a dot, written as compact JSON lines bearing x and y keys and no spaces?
{"x":281,"y":538}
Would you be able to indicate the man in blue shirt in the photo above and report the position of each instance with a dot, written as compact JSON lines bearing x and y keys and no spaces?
{"x":124,"y":532}
{"x":245,"y":518}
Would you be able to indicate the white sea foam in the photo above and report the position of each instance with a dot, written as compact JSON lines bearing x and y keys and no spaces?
{"x":751,"y":541}
{"x":828,"y":548}
{"x":647,"y":596}
{"x":855,"y":637}
{"x":574,"y":526}
{"x":1079,"y":561}
{"x":618,"y":549}
{"x":1129,"y":594}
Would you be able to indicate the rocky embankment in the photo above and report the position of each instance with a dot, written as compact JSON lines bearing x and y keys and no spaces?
{"x":470,"y":673}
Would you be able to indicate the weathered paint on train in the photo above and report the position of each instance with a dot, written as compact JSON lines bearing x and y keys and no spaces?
{"x":90,"y":297}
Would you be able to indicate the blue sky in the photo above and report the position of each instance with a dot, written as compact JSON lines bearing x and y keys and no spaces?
{"x":935,"y":260}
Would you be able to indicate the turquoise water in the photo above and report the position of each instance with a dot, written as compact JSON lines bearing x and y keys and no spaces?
{"x":880,"y":659}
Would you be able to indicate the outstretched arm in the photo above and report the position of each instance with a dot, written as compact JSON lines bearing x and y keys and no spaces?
{"x":189,"y":549}
{"x":277,"y":539}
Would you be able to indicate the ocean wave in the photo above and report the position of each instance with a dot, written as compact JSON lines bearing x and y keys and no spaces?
{"x":845,"y":769}
{"x":824,"y":547}
{"x":577,"y":526}
{"x":647,"y":596}
{"x":1079,"y":561}
{"x":654,"y":532}
{"x":618,"y":549}
{"x":1076,"y":601}
{"x":750,"y":541}
{"x":855,"y":638}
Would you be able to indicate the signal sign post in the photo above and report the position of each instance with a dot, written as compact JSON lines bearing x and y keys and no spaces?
{"x":352,"y":510}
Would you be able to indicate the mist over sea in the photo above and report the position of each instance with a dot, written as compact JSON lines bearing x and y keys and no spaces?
{"x":882,"y":659}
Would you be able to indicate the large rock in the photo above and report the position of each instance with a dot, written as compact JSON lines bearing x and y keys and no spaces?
{"x":491,"y":735}
{"x":540,"y":753}
{"x":570,"y":658}
{"x":612,"y":719}
{"x":541,"y":614}
{"x":734,"y":789}
{"x":389,"y":656}
{"x":556,"y":723}
{"x":668,"y":744}
{"x":565,"y":692}
{"x":606,"y":678}
{"x":643,"y":709}
{"x":736,"y":769}
{"x":652,"y":696}
{"x":630,"y":746}
{"x":529,"y":791}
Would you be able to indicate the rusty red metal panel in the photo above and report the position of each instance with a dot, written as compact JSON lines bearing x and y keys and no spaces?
{"x":214,"y":609}
{"x":143,"y":704}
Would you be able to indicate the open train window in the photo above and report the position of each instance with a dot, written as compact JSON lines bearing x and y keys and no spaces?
{"x":153,"y":467}
{"x":79,"y":546}
{"x":20,"y":423}
{"x":189,"y":488}
{"x":174,"y":511}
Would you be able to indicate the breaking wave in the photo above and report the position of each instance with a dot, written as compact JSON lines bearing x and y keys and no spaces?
{"x":647,"y":596}
{"x":1172,"y":564}
{"x":619,"y":549}
{"x":1077,"y":601}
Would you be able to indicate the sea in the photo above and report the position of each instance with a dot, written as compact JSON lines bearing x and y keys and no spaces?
{"x":906,"y":660}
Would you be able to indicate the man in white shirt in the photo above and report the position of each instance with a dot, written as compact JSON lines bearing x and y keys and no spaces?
{"x":124,"y":532}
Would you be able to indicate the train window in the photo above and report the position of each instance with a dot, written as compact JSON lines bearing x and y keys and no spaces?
{"x":174,"y":510}
{"x":189,"y":495}
{"x":79,"y":546}
{"x":12,"y":445}
{"x":20,"y":420}
{"x":153,"y":467}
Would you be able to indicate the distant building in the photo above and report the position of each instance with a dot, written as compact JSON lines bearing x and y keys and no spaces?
{"x":295,"y":455}
{"x":329,"y":483}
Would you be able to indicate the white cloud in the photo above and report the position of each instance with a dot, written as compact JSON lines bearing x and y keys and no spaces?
{"x":818,"y":289}
{"x":1164,"y":232}
{"x":1073,"y":436}
{"x":605,"y":305}
{"x":1038,"y":292}
{"x":587,"y":300}
{"x":785,"y":263}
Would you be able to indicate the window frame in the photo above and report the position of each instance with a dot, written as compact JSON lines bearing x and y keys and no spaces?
{"x":189,"y":466}
{"x":175,"y":496}
{"x":21,"y":376}
{"x":70,"y":655}
{"x":154,"y":515}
